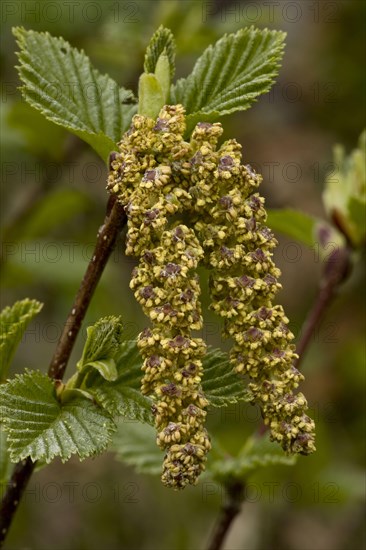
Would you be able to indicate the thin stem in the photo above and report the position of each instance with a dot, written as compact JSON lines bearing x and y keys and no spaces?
{"x":336,"y":270}
{"x":228,"y":512}
{"x":106,"y":239}
{"x":114,"y":222}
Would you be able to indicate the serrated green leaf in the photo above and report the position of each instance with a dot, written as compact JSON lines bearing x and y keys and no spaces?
{"x":38,"y":426}
{"x":230,"y":75}
{"x":106,"y":368}
{"x":161,"y":41}
{"x":135,"y":445}
{"x":60,"y":82}
{"x":13,"y":323}
{"x":66,"y":394}
{"x":221,"y":385}
{"x":258,"y":452}
{"x":123,"y":401}
{"x":123,"y":396}
{"x":294,"y":224}
{"x":102,"y":345}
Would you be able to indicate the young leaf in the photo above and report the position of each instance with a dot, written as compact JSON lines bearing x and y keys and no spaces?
{"x":344,"y":196}
{"x":151,"y":95}
{"x":102,"y":345}
{"x":13,"y":323}
{"x":60,"y":82}
{"x":163,"y":77}
{"x":230,"y":75}
{"x":38,"y":426}
{"x":258,"y":452}
{"x":122,"y":396}
{"x":161,"y":41}
{"x":135,"y":445}
{"x":294,"y":224}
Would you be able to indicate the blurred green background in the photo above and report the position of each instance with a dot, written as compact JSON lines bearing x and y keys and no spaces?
{"x":52,"y":202}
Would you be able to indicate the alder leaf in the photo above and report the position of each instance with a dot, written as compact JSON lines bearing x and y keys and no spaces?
{"x":162,"y":41}
{"x":61,"y":82}
{"x":230,"y":75}
{"x":102,"y":345}
{"x":221,"y":385}
{"x":122,"y":396}
{"x":13,"y":323}
{"x":39,"y":426}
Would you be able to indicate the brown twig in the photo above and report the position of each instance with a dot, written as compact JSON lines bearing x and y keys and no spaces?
{"x":336,"y":270}
{"x":107,"y":235}
{"x":228,"y":512}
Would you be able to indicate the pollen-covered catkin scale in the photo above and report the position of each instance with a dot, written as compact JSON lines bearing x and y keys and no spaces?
{"x":149,"y":175}
{"x":238,"y":249}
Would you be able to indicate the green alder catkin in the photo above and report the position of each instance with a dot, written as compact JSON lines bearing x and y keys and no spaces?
{"x":244,"y":280}
{"x":189,"y":204}
{"x":150,"y":177}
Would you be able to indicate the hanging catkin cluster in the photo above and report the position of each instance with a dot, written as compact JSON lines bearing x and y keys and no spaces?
{"x":238,"y":250}
{"x":151,"y":177}
{"x":166,"y":183}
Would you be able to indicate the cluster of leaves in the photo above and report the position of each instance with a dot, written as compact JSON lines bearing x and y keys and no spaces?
{"x":228,"y":77}
{"x":44,"y":419}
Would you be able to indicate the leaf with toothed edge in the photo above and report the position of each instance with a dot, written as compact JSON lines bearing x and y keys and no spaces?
{"x":102,"y":345}
{"x":122,"y":396}
{"x":13,"y":323}
{"x":221,"y":385}
{"x":38,"y":426}
{"x":162,"y":41}
{"x":60,"y":82}
{"x":230,"y":75}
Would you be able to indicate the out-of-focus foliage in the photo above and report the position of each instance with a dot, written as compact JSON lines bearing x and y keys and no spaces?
{"x":345,"y":192}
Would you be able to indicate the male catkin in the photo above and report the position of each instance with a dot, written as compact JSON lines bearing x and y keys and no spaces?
{"x":188,"y":204}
